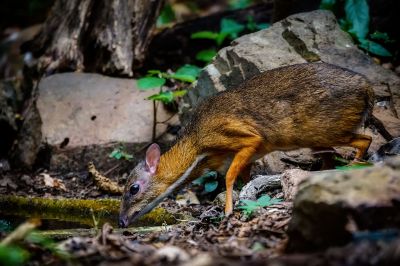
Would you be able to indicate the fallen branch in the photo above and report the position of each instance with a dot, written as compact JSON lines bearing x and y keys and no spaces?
{"x":104,"y":183}
{"x":67,"y":233}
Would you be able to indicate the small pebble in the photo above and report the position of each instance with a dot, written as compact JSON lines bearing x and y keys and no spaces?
{"x":387,"y":65}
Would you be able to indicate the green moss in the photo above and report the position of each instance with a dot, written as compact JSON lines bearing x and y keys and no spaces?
{"x":77,"y":210}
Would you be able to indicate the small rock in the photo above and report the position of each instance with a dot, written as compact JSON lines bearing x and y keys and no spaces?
{"x":202,"y":259}
{"x":260,"y":185}
{"x":277,"y":162}
{"x":330,"y":206}
{"x":397,"y":70}
{"x":4,"y":166}
{"x":221,"y":197}
{"x":387,"y":65}
{"x":388,"y":150}
{"x":188,"y":198}
{"x":172,"y":254}
{"x":27,"y":179}
{"x":7,"y":182}
{"x":290,"y":182}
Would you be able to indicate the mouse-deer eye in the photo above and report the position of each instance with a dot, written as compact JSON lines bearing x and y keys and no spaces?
{"x":134,"y":189}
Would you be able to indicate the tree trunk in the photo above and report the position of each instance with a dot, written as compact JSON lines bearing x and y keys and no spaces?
{"x":106,"y":36}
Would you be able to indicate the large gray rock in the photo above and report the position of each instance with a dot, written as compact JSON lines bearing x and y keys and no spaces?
{"x":305,"y":37}
{"x":331,"y":207}
{"x":83,"y":116}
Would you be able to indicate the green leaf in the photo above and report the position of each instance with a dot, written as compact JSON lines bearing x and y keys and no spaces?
{"x":167,"y":16}
{"x":179,"y":93}
{"x":345,"y":24}
{"x":357,"y":13}
{"x":127,"y":156}
{"x":154,"y":72}
{"x":340,"y":159}
{"x":114,"y":153}
{"x":185,"y":78}
{"x":206,"y":55}
{"x":239,"y":4}
{"x":118,"y":155}
{"x":249,"y":204}
{"x":274,"y":201}
{"x":257,"y":247}
{"x":150,"y":83}
{"x":264,"y":201}
{"x":251,"y":24}
{"x":187,"y":73}
{"x":380,"y":36}
{"x":199,"y":181}
{"x":327,"y":4}
{"x":210,"y":186}
{"x":205,"y":35}
{"x":354,"y":166}
{"x":262,"y":26}
{"x":221,"y":38}
{"x":204,"y":178}
{"x":374,"y":48}
{"x":165,"y":97}
{"x":13,"y":255}
{"x":231,"y":27}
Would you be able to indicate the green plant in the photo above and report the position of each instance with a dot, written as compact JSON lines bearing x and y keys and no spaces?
{"x":157,"y":79}
{"x":13,"y":255}
{"x":356,"y":23}
{"x":167,"y":15}
{"x":253,"y":26}
{"x":120,"y":153}
{"x":209,"y":181}
{"x":349,"y":165}
{"x":5,"y":226}
{"x":48,"y":244}
{"x":229,"y":28}
{"x":206,"y":55}
{"x":240,"y":4}
{"x":249,"y":206}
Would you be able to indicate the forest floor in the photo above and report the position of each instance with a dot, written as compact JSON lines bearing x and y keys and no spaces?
{"x":237,"y":238}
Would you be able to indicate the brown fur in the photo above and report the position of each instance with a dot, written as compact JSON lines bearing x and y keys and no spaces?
{"x":313,"y":105}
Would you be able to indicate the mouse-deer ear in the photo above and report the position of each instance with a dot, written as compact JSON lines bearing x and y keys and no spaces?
{"x":153,"y":154}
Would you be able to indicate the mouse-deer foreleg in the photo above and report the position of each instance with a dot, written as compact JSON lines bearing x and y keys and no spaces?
{"x":239,"y":163}
{"x":361,"y":143}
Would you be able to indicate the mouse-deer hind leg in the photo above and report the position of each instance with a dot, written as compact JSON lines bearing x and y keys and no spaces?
{"x":361,"y":143}
{"x":239,"y":163}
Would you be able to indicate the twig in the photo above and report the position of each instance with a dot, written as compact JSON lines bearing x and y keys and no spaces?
{"x":21,"y":232}
{"x":162,"y":122}
{"x":67,"y":233}
{"x":153,"y":137}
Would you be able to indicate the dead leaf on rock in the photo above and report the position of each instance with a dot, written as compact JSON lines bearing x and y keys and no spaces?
{"x":7,"y":182}
{"x":53,"y":182}
{"x":189,"y":198}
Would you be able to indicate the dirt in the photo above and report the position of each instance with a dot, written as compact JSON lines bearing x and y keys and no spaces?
{"x":208,"y":238}
{"x":209,"y":231}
